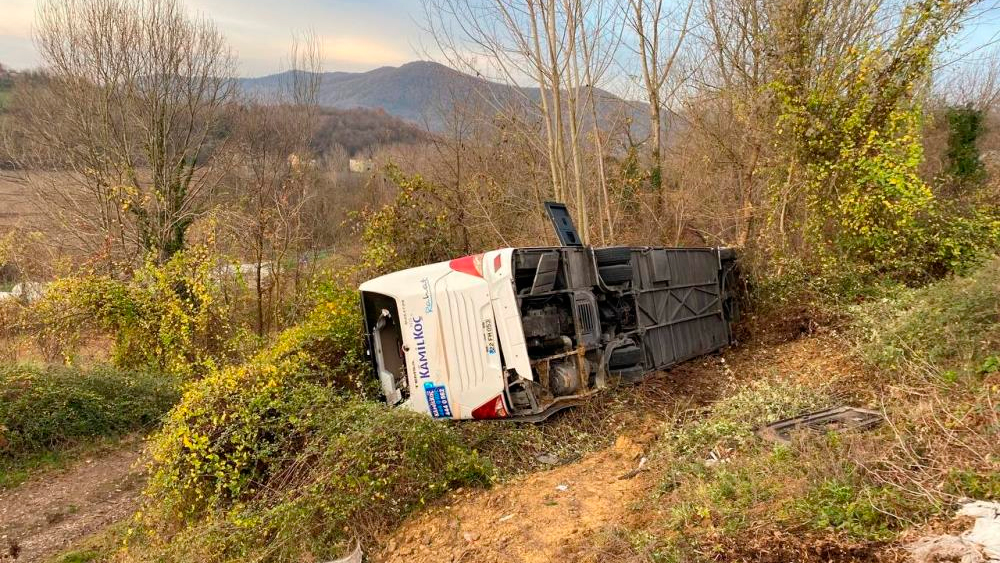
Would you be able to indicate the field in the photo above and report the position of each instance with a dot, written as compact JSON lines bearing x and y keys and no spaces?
{"x":16,"y":205}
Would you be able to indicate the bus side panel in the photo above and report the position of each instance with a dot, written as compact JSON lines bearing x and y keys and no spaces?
{"x":679,"y":304}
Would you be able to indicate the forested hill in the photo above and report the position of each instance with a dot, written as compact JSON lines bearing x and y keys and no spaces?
{"x":361,"y":129}
{"x":423,"y":91}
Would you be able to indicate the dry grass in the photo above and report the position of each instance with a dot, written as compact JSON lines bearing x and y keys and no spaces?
{"x":17,"y":207}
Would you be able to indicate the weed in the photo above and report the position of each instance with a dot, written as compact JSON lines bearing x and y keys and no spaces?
{"x":100,"y":546}
{"x":85,"y":556}
{"x":972,"y":484}
{"x":952,"y":326}
{"x":846,"y":507}
{"x":938,"y":346}
{"x":730,"y":423}
{"x":43,"y":410}
{"x":990,"y":365}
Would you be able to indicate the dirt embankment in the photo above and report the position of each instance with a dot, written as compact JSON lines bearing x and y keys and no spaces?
{"x":548,"y":516}
{"x":562,"y":514}
{"x":55,"y":510}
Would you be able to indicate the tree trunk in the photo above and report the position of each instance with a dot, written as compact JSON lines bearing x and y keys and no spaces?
{"x":656,"y":175}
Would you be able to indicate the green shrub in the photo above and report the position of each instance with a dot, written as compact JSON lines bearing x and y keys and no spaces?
{"x":280,"y":470}
{"x":329,"y":342}
{"x":234,"y":424}
{"x":281,"y":457}
{"x":169,"y":318}
{"x":952,"y":326}
{"x":348,"y":468}
{"x":966,"y":126}
{"x":43,"y":409}
{"x":984,"y":485}
{"x":850,"y":506}
{"x":419,"y":227}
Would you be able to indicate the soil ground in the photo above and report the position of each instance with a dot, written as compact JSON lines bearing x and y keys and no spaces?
{"x":56,"y":509}
{"x":547,"y":516}
{"x":564,"y":514}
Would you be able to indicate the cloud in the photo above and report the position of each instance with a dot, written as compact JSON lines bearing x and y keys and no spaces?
{"x":361,"y":50}
{"x":356,"y":34}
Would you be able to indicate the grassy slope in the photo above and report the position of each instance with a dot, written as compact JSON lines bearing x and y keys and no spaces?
{"x":932,"y":353}
{"x":49,"y":416}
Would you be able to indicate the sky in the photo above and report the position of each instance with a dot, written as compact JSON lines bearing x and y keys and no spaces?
{"x":357,"y":35}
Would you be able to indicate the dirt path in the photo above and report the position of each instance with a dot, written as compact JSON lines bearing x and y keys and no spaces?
{"x":51,"y":512}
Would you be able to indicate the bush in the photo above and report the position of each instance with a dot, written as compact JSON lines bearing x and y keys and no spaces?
{"x":344,"y":468}
{"x":44,"y":409}
{"x":281,"y":456}
{"x":939,"y":347}
{"x":168,"y":318}
{"x":419,"y":227}
{"x":329,"y":342}
{"x":952,"y":327}
{"x":233,"y":425}
{"x":844,"y":182}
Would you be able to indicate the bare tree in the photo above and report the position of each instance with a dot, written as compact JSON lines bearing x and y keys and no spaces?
{"x":974,"y":83}
{"x":659,"y":35}
{"x":274,"y":176}
{"x":599,"y":42}
{"x":137,"y":93}
{"x":531,"y":46}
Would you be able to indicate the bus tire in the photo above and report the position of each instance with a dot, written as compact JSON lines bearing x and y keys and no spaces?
{"x":634,"y":374}
{"x":613,"y":255}
{"x":624,"y":357}
{"x":617,"y":274}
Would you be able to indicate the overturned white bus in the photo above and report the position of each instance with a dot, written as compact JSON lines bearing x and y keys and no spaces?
{"x":524,"y":332}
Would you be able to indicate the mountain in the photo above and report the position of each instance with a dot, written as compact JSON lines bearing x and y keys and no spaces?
{"x":419,"y":91}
